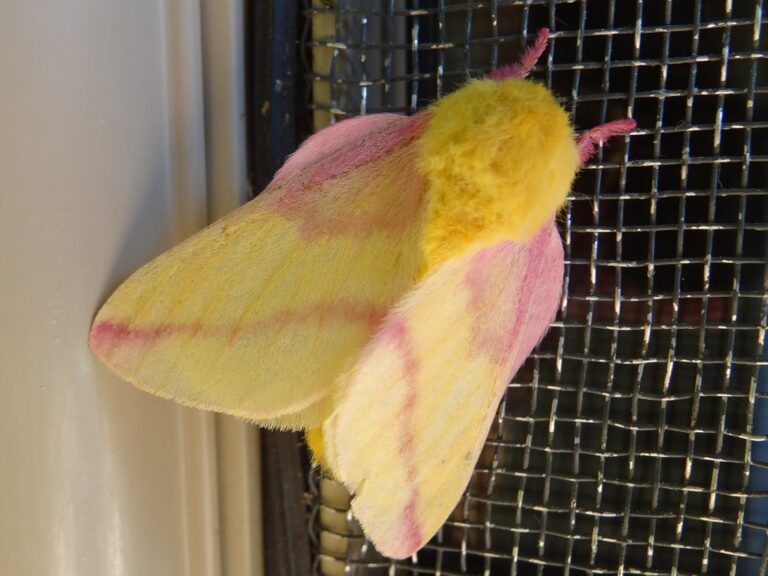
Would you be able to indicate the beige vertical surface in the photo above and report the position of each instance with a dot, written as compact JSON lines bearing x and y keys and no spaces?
{"x":238,"y":447}
{"x":102,"y":166}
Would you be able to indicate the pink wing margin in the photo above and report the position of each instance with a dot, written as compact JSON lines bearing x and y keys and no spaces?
{"x":332,"y":139}
{"x":414,"y":413}
{"x":340,"y":148}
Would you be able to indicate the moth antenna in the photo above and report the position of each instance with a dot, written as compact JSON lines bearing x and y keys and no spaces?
{"x":522,"y":67}
{"x":587,"y":142}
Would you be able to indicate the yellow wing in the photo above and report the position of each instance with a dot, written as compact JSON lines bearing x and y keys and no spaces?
{"x":258,"y":314}
{"x":412,"y":416}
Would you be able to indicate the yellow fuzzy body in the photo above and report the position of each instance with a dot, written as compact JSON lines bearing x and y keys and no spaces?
{"x":500,"y":158}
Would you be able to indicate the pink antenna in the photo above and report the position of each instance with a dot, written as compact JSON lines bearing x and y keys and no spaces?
{"x":523,"y":67}
{"x":588,"y":141}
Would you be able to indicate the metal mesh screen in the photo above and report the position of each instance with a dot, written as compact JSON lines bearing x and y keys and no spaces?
{"x":633,"y":440}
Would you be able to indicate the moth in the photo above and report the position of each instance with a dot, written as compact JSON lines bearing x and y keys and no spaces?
{"x":380,"y":293}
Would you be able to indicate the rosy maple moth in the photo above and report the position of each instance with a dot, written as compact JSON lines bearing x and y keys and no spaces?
{"x":381,"y":292}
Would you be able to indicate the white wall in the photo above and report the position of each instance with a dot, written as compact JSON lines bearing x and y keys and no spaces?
{"x":102,"y":166}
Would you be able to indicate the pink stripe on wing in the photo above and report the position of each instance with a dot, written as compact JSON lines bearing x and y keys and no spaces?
{"x":397,"y":334}
{"x":395,"y":135}
{"x":542,"y":288}
{"x":369,"y":184}
{"x":107,"y":335}
{"x":514,"y":290}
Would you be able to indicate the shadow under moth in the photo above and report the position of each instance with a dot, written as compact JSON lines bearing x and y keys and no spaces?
{"x":380,"y":293}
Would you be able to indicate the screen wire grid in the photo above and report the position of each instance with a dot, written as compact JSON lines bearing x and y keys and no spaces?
{"x":633,"y":441}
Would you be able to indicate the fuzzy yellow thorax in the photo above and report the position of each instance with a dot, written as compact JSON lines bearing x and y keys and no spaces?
{"x":499,"y":157}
